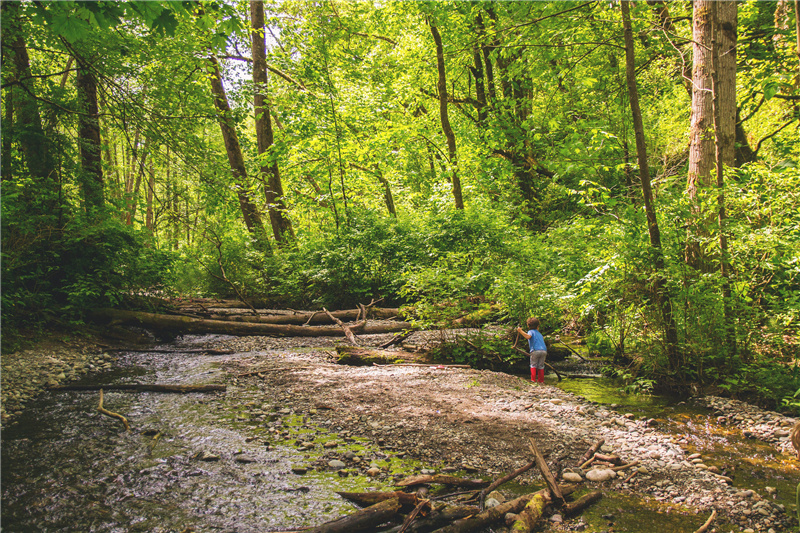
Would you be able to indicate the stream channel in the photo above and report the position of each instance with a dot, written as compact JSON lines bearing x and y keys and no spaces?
{"x":66,"y":467}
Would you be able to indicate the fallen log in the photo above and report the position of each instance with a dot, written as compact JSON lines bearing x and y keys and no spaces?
{"x":582,"y":503}
{"x":311,"y":318}
{"x":363,"y":520}
{"x":497,"y":513}
{"x":136,"y":387}
{"x":355,"y":356}
{"x":182,"y":324}
{"x":441,"y":479}
{"x":530,"y":515}
{"x":365,"y":499}
{"x":440,"y":516}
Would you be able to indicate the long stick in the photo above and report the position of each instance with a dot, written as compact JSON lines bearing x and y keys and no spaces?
{"x":142,"y":388}
{"x":106,"y":412}
{"x":705,"y":526}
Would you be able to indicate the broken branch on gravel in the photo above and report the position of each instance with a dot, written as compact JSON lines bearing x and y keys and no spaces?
{"x":546,"y":473}
{"x":106,"y":412}
{"x":505,"y":479}
{"x":705,"y":526}
{"x":591,"y":451}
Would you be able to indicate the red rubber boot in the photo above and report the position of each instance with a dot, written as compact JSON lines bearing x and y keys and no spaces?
{"x":541,"y":375}
{"x":533,"y":374}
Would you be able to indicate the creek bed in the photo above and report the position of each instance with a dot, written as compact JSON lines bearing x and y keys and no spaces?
{"x":66,"y":467}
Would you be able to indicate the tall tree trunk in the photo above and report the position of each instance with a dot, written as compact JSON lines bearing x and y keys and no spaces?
{"x":701,"y":134}
{"x":281,"y":225}
{"x":35,"y":146}
{"x":137,"y":173}
{"x":446,"y":128}
{"x":723,"y":143}
{"x":89,"y":138}
{"x":662,"y":296}
{"x":250,"y":213}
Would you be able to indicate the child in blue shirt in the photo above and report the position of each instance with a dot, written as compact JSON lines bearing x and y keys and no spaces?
{"x":537,"y":348}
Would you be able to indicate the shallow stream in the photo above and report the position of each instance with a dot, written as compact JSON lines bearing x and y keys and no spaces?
{"x":198,"y":462}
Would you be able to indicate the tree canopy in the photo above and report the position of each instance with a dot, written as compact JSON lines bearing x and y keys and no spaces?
{"x":443,"y":155}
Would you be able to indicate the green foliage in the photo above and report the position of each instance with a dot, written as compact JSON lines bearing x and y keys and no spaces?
{"x":482,"y":351}
{"x":82,"y":266}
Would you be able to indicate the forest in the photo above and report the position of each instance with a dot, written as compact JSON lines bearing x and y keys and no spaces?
{"x":625,"y":171}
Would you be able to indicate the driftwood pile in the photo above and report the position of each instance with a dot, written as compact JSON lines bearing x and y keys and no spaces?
{"x":412,"y":509}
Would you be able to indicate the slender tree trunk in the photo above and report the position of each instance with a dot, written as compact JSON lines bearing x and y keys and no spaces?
{"x":662,"y":296}
{"x":487,"y":60}
{"x":250,"y":213}
{"x":138,"y":166}
{"x":446,"y":128}
{"x":388,"y":198}
{"x":89,"y":139}
{"x":281,"y":225}
{"x":8,"y":120}
{"x":150,"y":222}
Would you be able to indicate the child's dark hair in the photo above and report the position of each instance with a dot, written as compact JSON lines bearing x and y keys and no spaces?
{"x":533,"y":323}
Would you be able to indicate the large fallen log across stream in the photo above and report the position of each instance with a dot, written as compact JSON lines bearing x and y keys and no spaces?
{"x":176,"y":324}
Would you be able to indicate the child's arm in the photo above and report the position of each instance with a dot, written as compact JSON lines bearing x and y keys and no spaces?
{"x":523,"y":333}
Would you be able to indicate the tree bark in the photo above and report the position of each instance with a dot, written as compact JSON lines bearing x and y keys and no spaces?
{"x":35,"y":146}
{"x":89,"y":138}
{"x":445,"y":120}
{"x":709,"y":30}
{"x":498,"y":513}
{"x":281,"y":225}
{"x":313,"y":318}
{"x":425,"y":479}
{"x":660,"y":286}
{"x":250,"y":213}
{"x":371,"y":498}
{"x":182,"y":324}
{"x":363,"y":520}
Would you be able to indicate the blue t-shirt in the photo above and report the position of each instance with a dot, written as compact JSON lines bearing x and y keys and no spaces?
{"x":536,"y":342}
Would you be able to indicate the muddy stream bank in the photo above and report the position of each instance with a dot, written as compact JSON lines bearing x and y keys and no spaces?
{"x":293,"y":428}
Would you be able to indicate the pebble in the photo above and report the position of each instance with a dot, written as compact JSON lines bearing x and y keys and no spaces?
{"x":600,"y":474}
{"x":571,"y":477}
{"x":336,"y":464}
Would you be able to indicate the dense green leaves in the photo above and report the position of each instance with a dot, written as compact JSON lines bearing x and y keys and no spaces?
{"x":553,"y":224}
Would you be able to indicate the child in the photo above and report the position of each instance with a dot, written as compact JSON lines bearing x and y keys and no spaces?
{"x":538,"y":349}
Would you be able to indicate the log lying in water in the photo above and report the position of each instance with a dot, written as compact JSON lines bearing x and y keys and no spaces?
{"x":136,"y":387}
{"x":183,"y":324}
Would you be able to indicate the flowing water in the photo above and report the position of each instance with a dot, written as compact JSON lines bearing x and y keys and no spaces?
{"x":66,"y":467}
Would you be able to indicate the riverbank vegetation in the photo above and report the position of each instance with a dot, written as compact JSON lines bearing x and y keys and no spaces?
{"x":639,"y":187}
